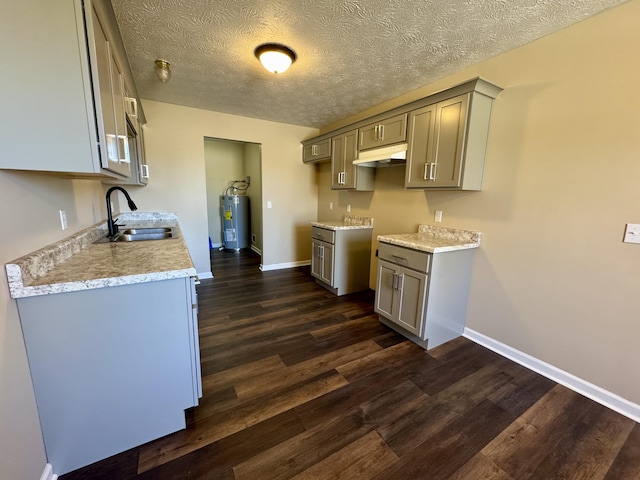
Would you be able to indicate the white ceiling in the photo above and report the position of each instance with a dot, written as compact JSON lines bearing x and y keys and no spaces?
{"x":352,"y":54}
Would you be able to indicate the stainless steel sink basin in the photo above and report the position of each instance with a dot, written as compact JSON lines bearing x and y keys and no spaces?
{"x":141,"y":234}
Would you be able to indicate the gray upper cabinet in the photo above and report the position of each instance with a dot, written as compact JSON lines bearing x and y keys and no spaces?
{"x":71,"y":100}
{"x":317,"y":151}
{"x":109,"y":104}
{"x":446,"y":134}
{"x":447,"y":143}
{"x":344,"y":174}
{"x":385,"y":132}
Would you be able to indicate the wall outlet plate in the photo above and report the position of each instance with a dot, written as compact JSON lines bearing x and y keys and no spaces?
{"x":632,"y":233}
{"x":438,"y":216}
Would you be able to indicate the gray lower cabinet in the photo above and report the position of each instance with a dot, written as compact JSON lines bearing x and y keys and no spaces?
{"x":400,"y":296}
{"x":447,"y":143}
{"x":112,"y":368}
{"x":340,"y":259}
{"x":423,"y":295}
{"x":344,"y":174}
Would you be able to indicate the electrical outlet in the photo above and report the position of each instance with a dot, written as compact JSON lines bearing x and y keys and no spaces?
{"x":330,"y":205}
{"x":438,"y":216}
{"x":269,"y":204}
{"x":632,"y":233}
{"x":348,"y":208}
{"x":63,"y":219}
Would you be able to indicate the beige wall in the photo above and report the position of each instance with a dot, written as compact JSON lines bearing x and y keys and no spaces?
{"x":29,"y":204}
{"x":552,"y":277}
{"x":174,"y":141}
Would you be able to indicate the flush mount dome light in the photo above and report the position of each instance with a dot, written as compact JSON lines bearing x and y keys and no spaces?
{"x":275,"y":57}
{"x":163,"y":70}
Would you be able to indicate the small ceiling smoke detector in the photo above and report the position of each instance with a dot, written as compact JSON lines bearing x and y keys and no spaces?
{"x":163,"y":70}
{"x":275,"y":57}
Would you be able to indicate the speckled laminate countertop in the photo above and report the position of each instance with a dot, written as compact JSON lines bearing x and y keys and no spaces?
{"x":76,"y":263}
{"x":435,"y":239}
{"x":350,"y":222}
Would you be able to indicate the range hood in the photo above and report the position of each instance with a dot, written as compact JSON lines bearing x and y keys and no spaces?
{"x":383,"y":157}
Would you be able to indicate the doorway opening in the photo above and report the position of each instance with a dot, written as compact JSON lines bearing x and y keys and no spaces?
{"x":233,"y":171}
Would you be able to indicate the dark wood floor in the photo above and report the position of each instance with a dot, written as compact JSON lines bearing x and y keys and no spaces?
{"x":301,"y":384}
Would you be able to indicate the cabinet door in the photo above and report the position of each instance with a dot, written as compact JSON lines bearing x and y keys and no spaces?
{"x":386,"y":132}
{"x":451,"y":121}
{"x":421,"y":149}
{"x":327,"y":263}
{"x":107,"y":82}
{"x":317,"y":152}
{"x":384,"y":301}
{"x":412,"y":291}
{"x":343,"y":152}
{"x":316,"y":259}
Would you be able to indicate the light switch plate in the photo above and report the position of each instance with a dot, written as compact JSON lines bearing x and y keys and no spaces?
{"x":438,"y":216}
{"x":632,"y":233}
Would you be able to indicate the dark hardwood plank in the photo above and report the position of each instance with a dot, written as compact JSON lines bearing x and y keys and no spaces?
{"x":452,"y":446}
{"x":235,"y":419}
{"x":627,"y":463}
{"x":362,"y":460}
{"x":216,"y":460}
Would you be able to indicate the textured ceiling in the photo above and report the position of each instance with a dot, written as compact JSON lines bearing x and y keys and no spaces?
{"x":352,"y":54}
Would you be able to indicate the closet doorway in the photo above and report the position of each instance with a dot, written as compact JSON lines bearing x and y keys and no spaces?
{"x":229,"y":164}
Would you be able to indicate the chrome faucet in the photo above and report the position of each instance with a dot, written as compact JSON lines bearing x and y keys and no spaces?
{"x":111,"y":224}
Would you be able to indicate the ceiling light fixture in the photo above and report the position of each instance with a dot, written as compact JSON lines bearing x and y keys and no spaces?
{"x":163,"y":70}
{"x":275,"y":57}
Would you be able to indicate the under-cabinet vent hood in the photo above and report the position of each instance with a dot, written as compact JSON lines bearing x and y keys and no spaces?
{"x":383,"y":157}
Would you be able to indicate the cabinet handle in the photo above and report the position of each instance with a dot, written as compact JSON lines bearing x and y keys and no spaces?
{"x":394,"y":282}
{"x":144,"y":171}
{"x":400,"y":259}
{"x":375,"y":132}
{"x":432,"y":172}
{"x":400,"y":282}
{"x":321,"y":251}
{"x":425,"y":174}
{"x":314,"y":150}
{"x":381,"y":131}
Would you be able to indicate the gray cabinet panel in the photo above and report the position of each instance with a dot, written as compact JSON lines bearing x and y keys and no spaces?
{"x":63,"y":110}
{"x":412,"y":289}
{"x":317,"y":152}
{"x":112,"y":368}
{"x":385,"y":132}
{"x":342,"y":266}
{"x":400,"y":296}
{"x":344,"y":174}
{"x":428,"y":309}
{"x":447,"y":143}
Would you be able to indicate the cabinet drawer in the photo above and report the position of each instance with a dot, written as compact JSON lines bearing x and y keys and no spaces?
{"x":406,"y":257}
{"x":323,"y":234}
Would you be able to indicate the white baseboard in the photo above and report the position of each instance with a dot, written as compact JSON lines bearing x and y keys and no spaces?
{"x":204,"y":275}
{"x":280,"y":266}
{"x":216,"y":245}
{"x":256,"y":249}
{"x":589,"y":390}
{"x":48,"y":474}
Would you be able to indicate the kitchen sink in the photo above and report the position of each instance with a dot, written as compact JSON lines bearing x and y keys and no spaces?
{"x":141,"y":234}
